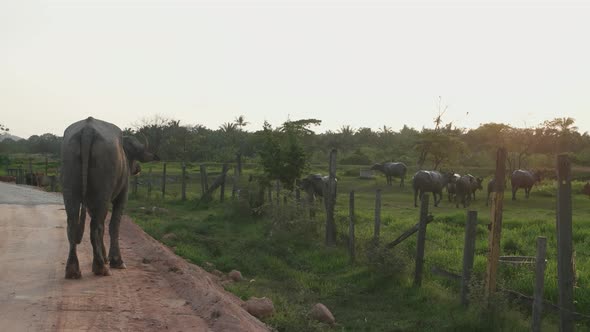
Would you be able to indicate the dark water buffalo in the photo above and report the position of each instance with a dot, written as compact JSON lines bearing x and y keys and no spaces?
{"x":466,"y":186}
{"x":97,"y":161}
{"x":586,"y":189}
{"x":430,"y":181}
{"x":392,"y":170}
{"x":523,"y":179}
{"x":490,"y":188}
{"x":476,"y":185}
{"x":313,"y":185}
{"x":451,"y":186}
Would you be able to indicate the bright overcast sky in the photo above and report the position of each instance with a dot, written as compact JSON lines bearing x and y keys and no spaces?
{"x":364,"y":64}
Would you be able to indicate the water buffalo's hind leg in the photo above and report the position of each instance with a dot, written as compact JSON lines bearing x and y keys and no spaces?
{"x":72,"y":265}
{"x":115,"y":252}
{"x":96,"y":232}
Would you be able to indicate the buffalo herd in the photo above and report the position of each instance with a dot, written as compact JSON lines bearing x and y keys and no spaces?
{"x":460,"y":189}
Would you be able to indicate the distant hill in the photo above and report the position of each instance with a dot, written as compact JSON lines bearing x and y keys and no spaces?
{"x":7,"y":135}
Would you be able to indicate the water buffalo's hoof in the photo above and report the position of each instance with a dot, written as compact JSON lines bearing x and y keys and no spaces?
{"x":101,"y":270}
{"x":104,"y":271}
{"x":118,"y":264}
{"x":73,"y":273}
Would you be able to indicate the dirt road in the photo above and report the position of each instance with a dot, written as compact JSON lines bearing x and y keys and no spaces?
{"x":157,"y":292}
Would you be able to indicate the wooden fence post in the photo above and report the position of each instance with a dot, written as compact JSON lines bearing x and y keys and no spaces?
{"x":468,"y":254}
{"x":46,"y":166}
{"x":539,"y":283}
{"x":235,"y":179}
{"x":421,"y":240}
{"x":222,"y":189}
{"x":183,"y":186}
{"x":330,"y":201}
{"x":239,"y":164}
{"x":204,"y":186}
{"x":377,"y":229}
{"x":351,"y":242}
{"x":31,"y":168}
{"x":149,"y":182}
{"x":164,"y":181}
{"x":496,"y":224}
{"x":19,"y":176}
{"x":565,"y":271}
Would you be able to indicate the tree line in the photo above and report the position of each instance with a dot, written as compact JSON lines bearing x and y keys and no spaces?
{"x":295,"y":143}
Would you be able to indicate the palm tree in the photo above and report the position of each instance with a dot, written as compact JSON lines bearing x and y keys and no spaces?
{"x":228,"y":127}
{"x":241,"y":122}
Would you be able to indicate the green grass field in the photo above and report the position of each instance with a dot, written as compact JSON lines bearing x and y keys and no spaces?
{"x":283,"y":254}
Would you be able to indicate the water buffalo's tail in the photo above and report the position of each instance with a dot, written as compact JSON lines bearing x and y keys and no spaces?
{"x":85,"y":146}
{"x":81,"y":224}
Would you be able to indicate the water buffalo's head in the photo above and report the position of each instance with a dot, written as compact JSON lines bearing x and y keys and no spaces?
{"x":376,"y":167}
{"x":135,"y":150}
{"x":479,"y":181}
{"x":537,"y":175}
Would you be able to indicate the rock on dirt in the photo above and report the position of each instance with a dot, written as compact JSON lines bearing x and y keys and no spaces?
{"x":321,"y":313}
{"x":260,"y":307}
{"x":235,"y":275}
{"x":169,"y":237}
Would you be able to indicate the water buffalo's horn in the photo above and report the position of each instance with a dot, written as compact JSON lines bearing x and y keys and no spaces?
{"x":145,"y":141}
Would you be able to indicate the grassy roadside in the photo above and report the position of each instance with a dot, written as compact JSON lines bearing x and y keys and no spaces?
{"x":283,"y":257}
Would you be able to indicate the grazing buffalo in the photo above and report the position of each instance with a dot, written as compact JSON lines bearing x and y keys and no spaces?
{"x":392,"y":170}
{"x":451,"y":186}
{"x":465,"y":189}
{"x":524,"y":179}
{"x":313,"y":185}
{"x":491,"y":185}
{"x":430,"y":181}
{"x":97,"y":161}
{"x":586,"y":189}
{"x":476,"y":185}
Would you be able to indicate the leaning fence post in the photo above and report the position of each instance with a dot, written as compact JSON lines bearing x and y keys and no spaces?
{"x":421,"y":240}
{"x":377,"y":215}
{"x":539,"y":283}
{"x":330,"y":201}
{"x":565,"y":271}
{"x":496,"y":224}
{"x":351,"y":241}
{"x":468,"y":254}
{"x":183,"y":188}
{"x":164,"y":181}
